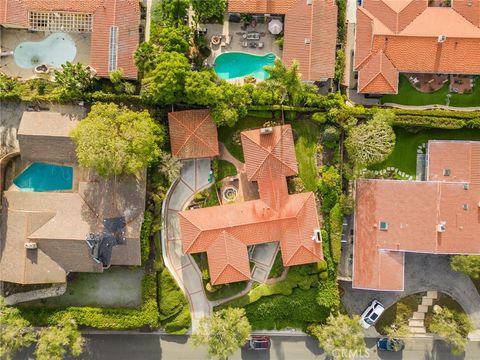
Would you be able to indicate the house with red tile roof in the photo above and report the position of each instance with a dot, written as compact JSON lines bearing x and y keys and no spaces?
{"x":439,"y":216}
{"x":224,"y":232}
{"x":193,"y":134}
{"x":409,"y":36}
{"x":310,"y":33}
{"x":112,"y":25}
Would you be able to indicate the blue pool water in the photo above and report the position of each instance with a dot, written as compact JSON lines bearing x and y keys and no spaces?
{"x":45,"y":177}
{"x":232,"y":65}
{"x":54,"y":51}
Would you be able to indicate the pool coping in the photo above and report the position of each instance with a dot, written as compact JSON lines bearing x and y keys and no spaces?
{"x":240,"y":52}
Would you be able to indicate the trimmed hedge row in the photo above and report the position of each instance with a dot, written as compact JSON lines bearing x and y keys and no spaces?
{"x":104,"y":318}
{"x":57,"y":97}
{"x":429,"y":122}
{"x":336,"y":225}
{"x":145,"y":236}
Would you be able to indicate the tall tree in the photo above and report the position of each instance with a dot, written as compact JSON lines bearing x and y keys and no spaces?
{"x":286,"y":81}
{"x":467,"y":264}
{"x":175,"y":38}
{"x":231,"y":103}
{"x":15,"y":332}
{"x":114,"y":140}
{"x":453,"y":327}
{"x":224,"y":332}
{"x":371,"y":142}
{"x":169,"y":166}
{"x":200,"y":88}
{"x":208,"y":11}
{"x":170,"y":12}
{"x":341,"y":337}
{"x":55,"y":341}
{"x":146,"y":57}
{"x":166,"y":83}
{"x":74,"y":78}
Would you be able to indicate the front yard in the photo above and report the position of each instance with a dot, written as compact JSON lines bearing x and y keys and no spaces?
{"x":408,"y":95}
{"x":404,"y":156}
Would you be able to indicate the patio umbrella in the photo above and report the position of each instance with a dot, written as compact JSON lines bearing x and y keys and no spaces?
{"x":275,"y":26}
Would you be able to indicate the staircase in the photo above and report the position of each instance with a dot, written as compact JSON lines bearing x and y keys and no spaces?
{"x":417,"y":322}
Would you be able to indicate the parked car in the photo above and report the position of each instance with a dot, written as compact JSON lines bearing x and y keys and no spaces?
{"x":259,"y":343}
{"x":387,"y":344}
{"x":371,"y":314}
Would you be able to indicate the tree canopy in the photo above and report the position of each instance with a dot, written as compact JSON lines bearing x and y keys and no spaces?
{"x":200,"y":88}
{"x":467,"y":264}
{"x":371,"y":142}
{"x":114,"y":140}
{"x":224,"y":332}
{"x":287,"y":82}
{"x":169,"y":12}
{"x":55,"y":341}
{"x":341,"y":337}
{"x":453,"y":327}
{"x":166,"y":83}
{"x":175,"y":38}
{"x":210,"y":10}
{"x":74,"y":78}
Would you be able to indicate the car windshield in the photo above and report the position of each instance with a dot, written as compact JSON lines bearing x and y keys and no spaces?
{"x":368,"y":321}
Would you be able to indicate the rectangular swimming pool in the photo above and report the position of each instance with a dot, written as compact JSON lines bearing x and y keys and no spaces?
{"x":41,"y":177}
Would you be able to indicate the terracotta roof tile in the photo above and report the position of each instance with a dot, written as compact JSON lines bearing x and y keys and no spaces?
{"x":378,"y":74}
{"x":413,"y":211}
{"x":225,"y":231}
{"x":260,"y":6}
{"x":193,"y":134}
{"x":125,"y":14}
{"x":413,"y":46}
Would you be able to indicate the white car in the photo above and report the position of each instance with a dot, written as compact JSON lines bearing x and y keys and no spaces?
{"x":371,"y":314}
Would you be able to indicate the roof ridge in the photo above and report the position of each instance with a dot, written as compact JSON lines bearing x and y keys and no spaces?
{"x":194,"y":225}
{"x":264,"y":159}
{"x":191,"y":133}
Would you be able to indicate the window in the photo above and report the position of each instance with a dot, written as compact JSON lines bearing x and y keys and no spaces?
{"x":112,"y":60}
{"x":60,"y":21}
{"x":383,"y":225}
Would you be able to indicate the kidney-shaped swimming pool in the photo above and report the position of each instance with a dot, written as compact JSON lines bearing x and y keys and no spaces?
{"x":231,"y":65}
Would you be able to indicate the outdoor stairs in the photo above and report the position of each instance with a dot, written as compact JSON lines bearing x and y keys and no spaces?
{"x":417,"y":322}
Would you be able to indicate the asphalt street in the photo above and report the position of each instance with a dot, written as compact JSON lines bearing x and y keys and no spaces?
{"x":154,"y":346}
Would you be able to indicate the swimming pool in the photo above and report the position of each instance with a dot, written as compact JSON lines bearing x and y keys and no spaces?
{"x":54,"y":51}
{"x":42,"y":177}
{"x":232,"y":65}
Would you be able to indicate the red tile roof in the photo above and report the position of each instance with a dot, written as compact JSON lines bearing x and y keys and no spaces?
{"x":407,"y":33}
{"x":413,"y":210}
{"x":310,"y":32}
{"x":193,"y":134}
{"x":125,"y":14}
{"x":224,"y":232}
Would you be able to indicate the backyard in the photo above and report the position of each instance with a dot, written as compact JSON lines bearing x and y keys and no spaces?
{"x":404,"y":156}
{"x":408,"y":95}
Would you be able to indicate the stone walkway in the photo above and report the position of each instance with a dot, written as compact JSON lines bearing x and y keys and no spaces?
{"x":193,"y":178}
{"x":417,"y":322}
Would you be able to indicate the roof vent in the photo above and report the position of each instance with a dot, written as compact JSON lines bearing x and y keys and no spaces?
{"x":307,"y":40}
{"x":466,"y":186}
{"x":266,"y":130}
{"x":383,"y":225}
{"x":309,"y":2}
{"x":30,"y":245}
{"x":446,"y":172}
{"x":441,"y":39}
{"x":441,"y":228}
{"x":465,"y":206}
{"x":317,"y":236}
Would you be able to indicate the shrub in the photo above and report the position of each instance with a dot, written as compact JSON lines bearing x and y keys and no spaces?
{"x":336,"y":224}
{"x":319,"y":117}
{"x":145,"y":236}
{"x":328,"y":295}
{"x":429,"y":122}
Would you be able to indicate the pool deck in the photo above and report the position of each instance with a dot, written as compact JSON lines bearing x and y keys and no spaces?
{"x":230,"y":28}
{"x":12,"y":37}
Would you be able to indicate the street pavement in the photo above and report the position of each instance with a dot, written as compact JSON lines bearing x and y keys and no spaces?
{"x":146,"y":346}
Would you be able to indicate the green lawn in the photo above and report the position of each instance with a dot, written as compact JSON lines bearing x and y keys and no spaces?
{"x":404,"y":156}
{"x":230,"y":136}
{"x":408,"y":95}
{"x":308,"y":133}
{"x":225,"y":169}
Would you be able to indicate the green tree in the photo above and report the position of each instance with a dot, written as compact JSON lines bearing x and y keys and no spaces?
{"x":169,"y":12}
{"x":175,"y":38}
{"x":371,"y":142}
{"x":467,"y":264}
{"x":209,"y":11}
{"x":224,"y":332}
{"x":200,"y":88}
{"x":286,"y":81}
{"x":15,"y":332}
{"x":231,"y":104}
{"x":166,"y":83}
{"x":339,"y":65}
{"x":146,"y":57}
{"x":341,"y":337}
{"x":169,"y":166}
{"x":55,"y":341}
{"x":114,"y":140}
{"x":74,"y":78}
{"x":453,"y":327}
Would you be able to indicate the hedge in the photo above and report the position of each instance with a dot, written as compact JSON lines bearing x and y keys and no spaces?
{"x":336,"y":224}
{"x":103,"y":318}
{"x":145,"y":236}
{"x":429,"y":122}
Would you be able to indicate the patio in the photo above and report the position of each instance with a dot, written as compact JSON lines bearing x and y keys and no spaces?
{"x":233,"y":36}
{"x":461,"y":84}
{"x":427,"y":83}
{"x":12,"y":37}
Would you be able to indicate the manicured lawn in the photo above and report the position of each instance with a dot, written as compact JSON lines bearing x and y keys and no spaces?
{"x":308,"y":133}
{"x":225,"y":169}
{"x":230,"y":136}
{"x":400,"y":312}
{"x":404,"y":156}
{"x":408,"y":95}
{"x":277,"y":267}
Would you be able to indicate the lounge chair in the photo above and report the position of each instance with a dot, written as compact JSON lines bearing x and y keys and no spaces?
{"x":260,"y":45}
{"x":244,"y":44}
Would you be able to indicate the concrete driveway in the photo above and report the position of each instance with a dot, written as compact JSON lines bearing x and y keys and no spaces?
{"x":423,"y":272}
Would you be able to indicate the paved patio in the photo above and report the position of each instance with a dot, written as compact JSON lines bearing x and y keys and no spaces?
{"x":12,"y":37}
